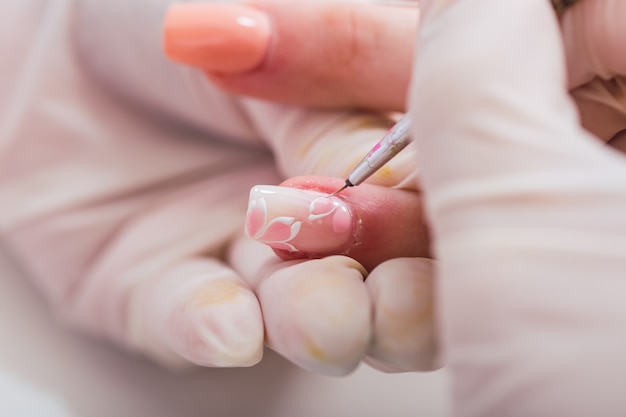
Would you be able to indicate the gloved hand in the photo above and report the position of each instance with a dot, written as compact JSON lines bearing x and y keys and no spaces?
{"x":527,"y":207}
{"x":124,"y":182}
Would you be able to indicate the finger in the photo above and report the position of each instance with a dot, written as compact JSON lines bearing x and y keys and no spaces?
{"x":199,"y":311}
{"x":368,"y":223}
{"x":180,"y":303}
{"x":310,"y":53}
{"x":593,"y":34}
{"x":328,"y":143}
{"x":157,"y":284}
{"x":317,"y":313}
{"x":404,"y":337}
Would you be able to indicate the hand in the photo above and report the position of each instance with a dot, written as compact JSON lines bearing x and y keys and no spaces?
{"x":125,"y":186}
{"x":526,"y":208}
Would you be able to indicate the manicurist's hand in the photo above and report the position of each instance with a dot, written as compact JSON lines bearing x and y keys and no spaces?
{"x":124,"y":184}
{"x":526,"y":206}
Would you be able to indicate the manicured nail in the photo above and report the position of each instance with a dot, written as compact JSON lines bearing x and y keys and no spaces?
{"x":299,"y":220}
{"x":217,"y":37}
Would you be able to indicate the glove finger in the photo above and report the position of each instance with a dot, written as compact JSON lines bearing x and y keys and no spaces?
{"x":327,"y":143}
{"x":317,"y":313}
{"x":404,"y":336}
{"x":178,"y":300}
{"x":197,"y":310}
{"x":150,"y":278}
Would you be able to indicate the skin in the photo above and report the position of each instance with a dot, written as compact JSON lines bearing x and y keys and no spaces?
{"x":369,"y":202}
{"x":329,"y":71}
{"x":309,"y":78}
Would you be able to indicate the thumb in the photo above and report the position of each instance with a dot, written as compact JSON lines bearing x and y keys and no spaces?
{"x":508,"y":112}
{"x":527,"y":215}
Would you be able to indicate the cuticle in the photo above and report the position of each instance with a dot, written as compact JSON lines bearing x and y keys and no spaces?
{"x":356,"y":227}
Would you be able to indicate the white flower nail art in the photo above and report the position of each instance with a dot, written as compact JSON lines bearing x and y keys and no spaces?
{"x":276,"y":232}
{"x":298,"y":220}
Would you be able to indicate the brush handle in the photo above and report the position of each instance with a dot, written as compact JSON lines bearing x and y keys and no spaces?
{"x":389,"y":146}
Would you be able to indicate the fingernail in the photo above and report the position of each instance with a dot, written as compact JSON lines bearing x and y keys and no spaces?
{"x":299,"y":220}
{"x":219,"y":38}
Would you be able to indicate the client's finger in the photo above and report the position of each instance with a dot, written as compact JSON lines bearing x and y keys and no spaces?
{"x":312,"y":53}
{"x":317,"y":313}
{"x":369,"y":223}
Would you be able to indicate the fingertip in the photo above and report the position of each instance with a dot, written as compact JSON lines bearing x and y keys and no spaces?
{"x":402,"y":293}
{"x":200,"y":311}
{"x":386,"y":223}
{"x":218,"y":325}
{"x":317,"y":314}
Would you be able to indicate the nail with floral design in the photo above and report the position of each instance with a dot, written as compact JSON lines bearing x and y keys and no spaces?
{"x":299,"y":220}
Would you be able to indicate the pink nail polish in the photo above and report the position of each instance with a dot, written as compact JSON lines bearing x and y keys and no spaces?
{"x":299,"y":220}
{"x":225,"y":38}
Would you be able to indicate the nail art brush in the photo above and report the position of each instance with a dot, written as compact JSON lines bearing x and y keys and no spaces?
{"x":389,"y":146}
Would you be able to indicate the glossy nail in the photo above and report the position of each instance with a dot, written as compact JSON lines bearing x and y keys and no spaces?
{"x":299,"y":220}
{"x":222,"y":38}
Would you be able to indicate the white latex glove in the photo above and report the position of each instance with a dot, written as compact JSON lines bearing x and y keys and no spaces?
{"x":526,"y":206}
{"x":124,"y":182}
